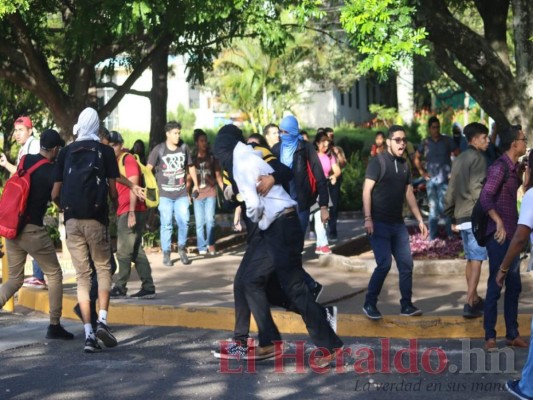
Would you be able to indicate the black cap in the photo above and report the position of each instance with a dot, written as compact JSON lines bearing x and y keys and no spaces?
{"x":115,"y":137}
{"x":50,"y":139}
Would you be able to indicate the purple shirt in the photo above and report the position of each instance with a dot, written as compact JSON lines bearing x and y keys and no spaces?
{"x":502,"y":200}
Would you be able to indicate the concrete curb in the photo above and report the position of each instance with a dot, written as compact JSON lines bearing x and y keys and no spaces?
{"x":222,"y":318}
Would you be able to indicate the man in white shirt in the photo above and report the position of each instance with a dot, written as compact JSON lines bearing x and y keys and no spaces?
{"x":275,"y":246}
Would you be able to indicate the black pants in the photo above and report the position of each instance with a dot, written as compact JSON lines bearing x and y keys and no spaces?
{"x":278,"y":249}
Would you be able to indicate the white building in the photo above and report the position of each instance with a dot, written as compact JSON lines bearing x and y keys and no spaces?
{"x":325,"y":107}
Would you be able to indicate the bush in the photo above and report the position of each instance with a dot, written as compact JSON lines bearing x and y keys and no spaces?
{"x":353,"y":177}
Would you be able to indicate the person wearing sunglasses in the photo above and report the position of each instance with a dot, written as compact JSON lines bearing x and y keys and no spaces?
{"x":387,"y":184}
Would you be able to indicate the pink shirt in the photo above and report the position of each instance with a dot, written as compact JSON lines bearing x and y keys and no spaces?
{"x":327,"y":162}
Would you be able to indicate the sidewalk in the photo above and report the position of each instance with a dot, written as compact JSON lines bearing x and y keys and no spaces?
{"x":200,"y":295}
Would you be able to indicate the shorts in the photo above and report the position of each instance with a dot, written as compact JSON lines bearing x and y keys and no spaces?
{"x":473,"y":251}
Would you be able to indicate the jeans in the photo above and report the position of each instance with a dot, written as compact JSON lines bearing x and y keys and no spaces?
{"x":180,"y":209}
{"x":130,"y":250}
{"x":526,"y":382}
{"x":303,"y":216}
{"x":320,"y":230}
{"x":436,"y":192}
{"x":204,"y":217}
{"x":37,"y":271}
{"x":513,"y":287}
{"x":391,"y":240}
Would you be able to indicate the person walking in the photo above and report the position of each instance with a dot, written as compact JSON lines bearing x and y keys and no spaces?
{"x":468,"y":175}
{"x":85,"y":176}
{"x":499,"y":200}
{"x":33,"y":238}
{"x":172,"y":162}
{"x":387,"y":185}
{"x":131,"y":218}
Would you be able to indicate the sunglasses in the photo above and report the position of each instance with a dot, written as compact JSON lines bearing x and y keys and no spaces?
{"x":399,"y":140}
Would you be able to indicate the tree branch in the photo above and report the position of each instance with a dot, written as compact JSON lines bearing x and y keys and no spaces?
{"x":113,"y":85}
{"x":128,"y":83}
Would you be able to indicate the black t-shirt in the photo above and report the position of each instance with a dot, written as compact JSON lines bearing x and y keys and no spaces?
{"x":389,"y":192}
{"x":41,"y":183}
{"x":110,"y":166}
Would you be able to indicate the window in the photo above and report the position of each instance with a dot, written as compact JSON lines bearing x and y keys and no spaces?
{"x":357,"y":105}
{"x":350,"y":99}
{"x":342,"y":99}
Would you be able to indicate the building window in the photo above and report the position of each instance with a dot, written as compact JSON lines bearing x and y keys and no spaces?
{"x":357,"y":100}
{"x":104,"y":95}
{"x":350,"y":98}
{"x":342,"y":99}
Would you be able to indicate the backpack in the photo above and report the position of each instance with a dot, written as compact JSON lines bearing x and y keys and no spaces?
{"x":84,"y":191}
{"x":15,"y":198}
{"x":479,"y":218}
{"x":147,"y":180}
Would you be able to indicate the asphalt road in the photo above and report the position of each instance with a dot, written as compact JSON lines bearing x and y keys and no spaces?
{"x":159,"y":363}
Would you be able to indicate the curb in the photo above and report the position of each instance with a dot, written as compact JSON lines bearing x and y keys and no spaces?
{"x":222,"y":318}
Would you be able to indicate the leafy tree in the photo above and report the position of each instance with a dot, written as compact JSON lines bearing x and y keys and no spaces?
{"x":494,"y":64}
{"x":62,"y":51}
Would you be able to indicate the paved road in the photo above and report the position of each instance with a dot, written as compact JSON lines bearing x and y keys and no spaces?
{"x":157,"y":363}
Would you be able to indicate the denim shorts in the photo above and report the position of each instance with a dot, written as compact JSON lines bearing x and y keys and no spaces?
{"x":473,"y":251}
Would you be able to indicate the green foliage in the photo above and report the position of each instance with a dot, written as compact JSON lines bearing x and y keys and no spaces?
{"x":11,"y":6}
{"x":353,"y":177}
{"x":386,"y":115}
{"x":383,"y":33}
{"x":186,"y":117}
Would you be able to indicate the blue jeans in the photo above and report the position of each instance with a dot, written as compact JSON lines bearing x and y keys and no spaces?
{"x":180,"y":209}
{"x":204,"y":216}
{"x":320,"y":230}
{"x":37,"y":271}
{"x":526,"y":382}
{"x":391,"y":240}
{"x":436,"y":192}
{"x":513,"y":287}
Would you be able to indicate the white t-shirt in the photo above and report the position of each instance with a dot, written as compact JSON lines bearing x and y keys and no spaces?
{"x":526,"y":212}
{"x":32,"y":146}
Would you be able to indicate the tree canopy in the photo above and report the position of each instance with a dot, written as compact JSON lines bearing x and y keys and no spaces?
{"x":494,"y":64}
{"x":62,"y":51}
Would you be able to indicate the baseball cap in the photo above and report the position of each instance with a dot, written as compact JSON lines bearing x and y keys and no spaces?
{"x":115,"y":137}
{"x":50,"y":139}
{"x":26,"y":121}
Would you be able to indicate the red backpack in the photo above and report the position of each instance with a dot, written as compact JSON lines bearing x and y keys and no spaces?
{"x":14,"y":199}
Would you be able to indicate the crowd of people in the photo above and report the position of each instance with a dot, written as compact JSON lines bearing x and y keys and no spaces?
{"x":277,"y":182}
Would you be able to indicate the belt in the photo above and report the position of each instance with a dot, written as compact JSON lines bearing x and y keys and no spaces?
{"x":288,"y":211}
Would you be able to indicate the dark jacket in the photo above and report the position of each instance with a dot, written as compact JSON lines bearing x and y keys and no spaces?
{"x":300,"y":186}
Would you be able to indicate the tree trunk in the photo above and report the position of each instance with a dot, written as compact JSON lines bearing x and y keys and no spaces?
{"x":404,"y":91}
{"x":158,"y":97}
{"x":505,"y":96}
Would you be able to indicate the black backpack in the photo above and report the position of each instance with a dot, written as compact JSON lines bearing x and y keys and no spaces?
{"x":479,"y":218}
{"x":84,"y":191}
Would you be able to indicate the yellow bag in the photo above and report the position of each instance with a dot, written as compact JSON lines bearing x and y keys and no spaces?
{"x":147,"y":181}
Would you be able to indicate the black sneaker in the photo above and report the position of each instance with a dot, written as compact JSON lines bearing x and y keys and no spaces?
{"x":104,"y":334}
{"x":480,"y":304}
{"x":144,"y":294}
{"x":94,"y":315}
{"x":372,"y":312}
{"x":58,"y":332}
{"x":91,"y":346}
{"x":333,"y":238}
{"x":331,"y":315}
{"x":183,"y":256}
{"x":471,"y":311}
{"x":317,"y":291}
{"x":410,"y":311}
{"x":166,"y":259}
{"x":117,"y":293}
